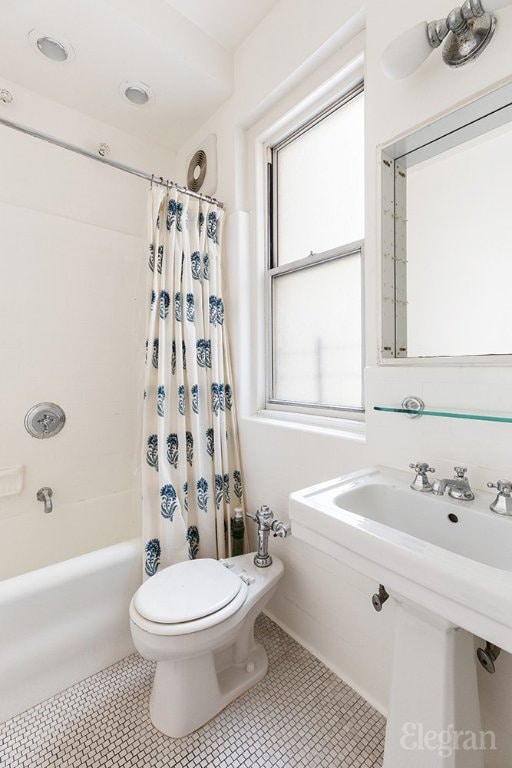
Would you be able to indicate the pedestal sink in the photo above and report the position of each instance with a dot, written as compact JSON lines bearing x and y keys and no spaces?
{"x":448,"y":566}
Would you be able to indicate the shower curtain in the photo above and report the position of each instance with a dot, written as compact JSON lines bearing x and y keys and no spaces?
{"x":191,"y":473}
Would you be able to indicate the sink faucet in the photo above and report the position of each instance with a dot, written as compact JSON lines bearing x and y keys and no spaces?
{"x":266,"y":523}
{"x":421,"y":481}
{"x":502,"y":504}
{"x":458,"y":488}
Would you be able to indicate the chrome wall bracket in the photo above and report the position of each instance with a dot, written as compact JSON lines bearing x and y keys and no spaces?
{"x":44,"y":420}
{"x":487,"y":656}
{"x":467,"y":30}
{"x":414,"y":405}
{"x":379,"y":598}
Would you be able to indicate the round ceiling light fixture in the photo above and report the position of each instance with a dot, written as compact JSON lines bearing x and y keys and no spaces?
{"x":50,"y":47}
{"x":136,"y":93}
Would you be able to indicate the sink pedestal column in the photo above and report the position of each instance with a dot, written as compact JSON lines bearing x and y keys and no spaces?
{"x":434,"y":695}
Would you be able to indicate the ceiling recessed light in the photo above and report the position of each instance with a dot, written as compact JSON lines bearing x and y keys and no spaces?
{"x":137,"y":93}
{"x":52,"y":49}
{"x":49,"y":46}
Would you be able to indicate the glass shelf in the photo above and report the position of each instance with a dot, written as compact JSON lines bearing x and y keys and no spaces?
{"x":447,"y":414}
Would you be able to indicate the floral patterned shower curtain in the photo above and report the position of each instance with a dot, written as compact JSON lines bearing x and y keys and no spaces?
{"x":191,"y":471}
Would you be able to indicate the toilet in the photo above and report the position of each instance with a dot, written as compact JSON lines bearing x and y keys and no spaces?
{"x":196,"y":620}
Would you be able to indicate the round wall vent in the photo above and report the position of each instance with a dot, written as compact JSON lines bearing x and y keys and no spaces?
{"x":196,"y":173}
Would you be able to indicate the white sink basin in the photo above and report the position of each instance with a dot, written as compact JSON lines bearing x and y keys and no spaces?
{"x":478,"y":533}
{"x":447,"y":565}
{"x":405,"y":539}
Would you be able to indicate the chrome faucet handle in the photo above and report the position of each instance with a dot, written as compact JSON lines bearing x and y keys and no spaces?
{"x":503,"y":486}
{"x":421,"y":481}
{"x":460,"y":473}
{"x":502,"y":504}
{"x":281,"y":529}
{"x":421,"y":467}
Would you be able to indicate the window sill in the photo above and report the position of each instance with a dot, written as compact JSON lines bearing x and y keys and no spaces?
{"x":347,"y":428}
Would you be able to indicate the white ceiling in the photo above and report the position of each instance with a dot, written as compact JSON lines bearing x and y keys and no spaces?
{"x":183,"y":49}
{"x":229,"y":22}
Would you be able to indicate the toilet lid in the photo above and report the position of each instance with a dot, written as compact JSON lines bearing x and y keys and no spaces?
{"x":187,"y":591}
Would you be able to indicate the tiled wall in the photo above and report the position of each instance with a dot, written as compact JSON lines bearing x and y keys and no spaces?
{"x":73,"y":258}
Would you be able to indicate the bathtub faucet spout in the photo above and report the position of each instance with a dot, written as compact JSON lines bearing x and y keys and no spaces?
{"x":45,"y":495}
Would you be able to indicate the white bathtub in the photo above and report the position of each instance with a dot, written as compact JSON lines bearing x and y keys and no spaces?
{"x":62,"y":623}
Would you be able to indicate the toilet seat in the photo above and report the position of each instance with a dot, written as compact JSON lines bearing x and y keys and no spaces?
{"x":187,"y":597}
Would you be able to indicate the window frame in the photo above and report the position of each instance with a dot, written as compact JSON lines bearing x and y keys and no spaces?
{"x":272,"y":270}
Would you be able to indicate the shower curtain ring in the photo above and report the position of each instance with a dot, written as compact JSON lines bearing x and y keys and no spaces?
{"x":152,"y":177}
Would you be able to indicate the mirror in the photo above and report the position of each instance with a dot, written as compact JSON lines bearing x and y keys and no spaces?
{"x":447,"y":235}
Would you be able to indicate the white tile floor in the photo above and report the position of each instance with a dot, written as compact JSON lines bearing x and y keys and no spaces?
{"x":300,"y":716}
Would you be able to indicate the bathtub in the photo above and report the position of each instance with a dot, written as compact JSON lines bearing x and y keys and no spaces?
{"x":62,"y":623}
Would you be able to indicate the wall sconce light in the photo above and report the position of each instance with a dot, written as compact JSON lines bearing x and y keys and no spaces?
{"x":467,"y":30}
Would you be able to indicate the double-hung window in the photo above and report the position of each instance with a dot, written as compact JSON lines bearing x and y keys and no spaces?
{"x":315,"y":264}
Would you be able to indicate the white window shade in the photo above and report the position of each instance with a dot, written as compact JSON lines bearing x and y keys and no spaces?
{"x":317,"y":334}
{"x":320,"y":191}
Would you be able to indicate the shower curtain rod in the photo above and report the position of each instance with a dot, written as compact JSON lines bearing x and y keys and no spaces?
{"x":112,"y":163}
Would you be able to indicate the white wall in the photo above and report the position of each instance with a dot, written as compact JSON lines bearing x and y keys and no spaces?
{"x":73,"y":258}
{"x":280,"y":457}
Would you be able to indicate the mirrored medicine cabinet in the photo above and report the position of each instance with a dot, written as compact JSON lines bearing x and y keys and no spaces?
{"x":447,"y":235}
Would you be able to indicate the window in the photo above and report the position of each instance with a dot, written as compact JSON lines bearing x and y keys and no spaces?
{"x":314,"y":276}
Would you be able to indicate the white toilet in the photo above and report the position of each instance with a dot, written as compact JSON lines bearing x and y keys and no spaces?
{"x":196,"y":620}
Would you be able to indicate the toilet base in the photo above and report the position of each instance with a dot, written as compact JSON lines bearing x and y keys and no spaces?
{"x":188,"y":693}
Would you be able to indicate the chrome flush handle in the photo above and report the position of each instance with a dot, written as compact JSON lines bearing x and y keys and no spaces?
{"x":266,"y":523}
